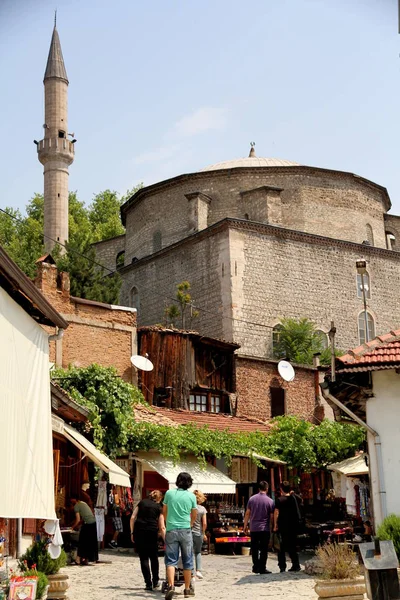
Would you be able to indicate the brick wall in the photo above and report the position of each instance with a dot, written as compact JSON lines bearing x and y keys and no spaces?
{"x":328,"y":203}
{"x":254,"y":378}
{"x":97,"y":333}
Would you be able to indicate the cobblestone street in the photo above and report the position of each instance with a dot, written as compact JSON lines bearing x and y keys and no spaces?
{"x":225,"y":577}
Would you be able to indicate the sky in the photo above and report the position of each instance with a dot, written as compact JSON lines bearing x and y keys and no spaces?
{"x":164,"y":87}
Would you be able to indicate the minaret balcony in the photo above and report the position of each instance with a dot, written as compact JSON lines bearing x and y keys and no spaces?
{"x":56,"y":149}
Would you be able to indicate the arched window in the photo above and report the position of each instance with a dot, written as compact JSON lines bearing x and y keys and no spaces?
{"x":370,"y":234}
{"x":390,"y":241}
{"x":323,"y":337}
{"x":276,"y":338}
{"x":363,"y":279}
{"x":361,"y":327}
{"x":134,"y":298}
{"x":246,"y":216}
{"x":157,"y":241}
{"x":120,"y":260}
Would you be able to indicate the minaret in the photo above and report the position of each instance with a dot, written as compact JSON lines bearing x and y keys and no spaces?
{"x":55,"y":151}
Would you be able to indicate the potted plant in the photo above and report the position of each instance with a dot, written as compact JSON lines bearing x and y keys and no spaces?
{"x":38,"y":555}
{"x":42,"y":585}
{"x":340,"y":573}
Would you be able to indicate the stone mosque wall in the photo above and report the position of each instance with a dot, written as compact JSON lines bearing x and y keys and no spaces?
{"x":258,"y":274}
{"x":328,"y":203}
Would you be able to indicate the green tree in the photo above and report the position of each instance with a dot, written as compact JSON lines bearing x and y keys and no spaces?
{"x":298,"y":340}
{"x":110,"y":401}
{"x":22,"y":238}
{"x":184,"y":309}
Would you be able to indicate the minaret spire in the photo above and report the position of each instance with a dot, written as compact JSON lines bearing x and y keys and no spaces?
{"x":55,"y":150}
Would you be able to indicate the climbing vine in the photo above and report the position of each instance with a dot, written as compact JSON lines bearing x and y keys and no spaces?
{"x":112,"y":427}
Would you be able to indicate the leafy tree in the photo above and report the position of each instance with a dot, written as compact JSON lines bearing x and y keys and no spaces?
{"x":298,"y":340}
{"x":22,"y":238}
{"x":110,"y":401}
{"x":185,"y":309}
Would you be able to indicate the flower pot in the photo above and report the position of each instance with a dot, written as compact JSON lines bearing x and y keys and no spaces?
{"x":44,"y":595}
{"x":353,"y":589}
{"x":58,"y":586}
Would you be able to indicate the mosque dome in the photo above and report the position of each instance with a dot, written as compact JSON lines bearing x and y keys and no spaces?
{"x":251,"y":161}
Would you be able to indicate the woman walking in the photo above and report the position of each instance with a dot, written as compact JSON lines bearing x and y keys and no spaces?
{"x":198,"y":532}
{"x":147,"y":522}
{"x":87,"y":547}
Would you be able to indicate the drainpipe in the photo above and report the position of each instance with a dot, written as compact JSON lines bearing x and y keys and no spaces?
{"x":377,"y":445}
{"x":56,"y":336}
{"x":19,"y":538}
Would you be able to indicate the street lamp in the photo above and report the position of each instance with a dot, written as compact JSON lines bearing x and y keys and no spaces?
{"x":361,"y":266}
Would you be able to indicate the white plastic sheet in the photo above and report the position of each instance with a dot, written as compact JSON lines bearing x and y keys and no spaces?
{"x":26,"y":452}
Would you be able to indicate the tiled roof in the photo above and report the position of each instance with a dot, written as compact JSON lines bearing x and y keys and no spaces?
{"x":145,"y":414}
{"x":215,"y":421}
{"x":383,"y":352}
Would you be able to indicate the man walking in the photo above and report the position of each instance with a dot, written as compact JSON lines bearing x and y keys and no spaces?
{"x":287,"y":520}
{"x":260,"y":511}
{"x":180,"y":511}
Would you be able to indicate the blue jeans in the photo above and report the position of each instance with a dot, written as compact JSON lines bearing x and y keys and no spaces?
{"x":197,"y":545}
{"x":175,"y":540}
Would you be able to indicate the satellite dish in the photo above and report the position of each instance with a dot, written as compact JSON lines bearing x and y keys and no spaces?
{"x":286,"y":370}
{"x":142,"y":363}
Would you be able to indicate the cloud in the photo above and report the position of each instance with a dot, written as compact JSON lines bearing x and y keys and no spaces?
{"x":202,"y":119}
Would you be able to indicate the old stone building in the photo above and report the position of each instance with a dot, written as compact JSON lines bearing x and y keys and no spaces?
{"x":260,"y":239}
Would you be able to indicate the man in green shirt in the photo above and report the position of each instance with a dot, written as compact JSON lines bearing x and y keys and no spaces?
{"x":180,"y":511}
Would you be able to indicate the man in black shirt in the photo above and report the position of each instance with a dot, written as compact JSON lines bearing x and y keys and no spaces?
{"x":287,"y":520}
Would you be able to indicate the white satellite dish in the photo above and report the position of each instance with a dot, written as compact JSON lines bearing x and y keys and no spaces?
{"x":286,"y":370}
{"x":142,"y":363}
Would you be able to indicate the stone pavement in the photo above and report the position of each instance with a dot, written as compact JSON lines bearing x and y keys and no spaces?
{"x":225,"y":578}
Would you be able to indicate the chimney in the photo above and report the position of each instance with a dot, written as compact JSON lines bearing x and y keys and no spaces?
{"x":48,"y":279}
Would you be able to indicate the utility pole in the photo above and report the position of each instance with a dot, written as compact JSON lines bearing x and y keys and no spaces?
{"x":331,"y":334}
{"x":361,"y":266}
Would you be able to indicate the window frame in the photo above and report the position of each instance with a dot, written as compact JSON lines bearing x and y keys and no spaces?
{"x":273,"y":390}
{"x":361,"y":319}
{"x":210,"y":399}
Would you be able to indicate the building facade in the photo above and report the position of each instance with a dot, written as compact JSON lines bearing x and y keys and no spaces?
{"x":97,"y":333}
{"x":261,"y":239}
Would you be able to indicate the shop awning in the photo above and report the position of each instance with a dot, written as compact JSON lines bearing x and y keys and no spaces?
{"x":116,"y":475}
{"x":262,"y":457}
{"x":208,"y":479}
{"x":353,"y":466}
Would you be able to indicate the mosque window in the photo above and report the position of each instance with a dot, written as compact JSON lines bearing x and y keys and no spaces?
{"x":246,"y":216}
{"x":61,"y":134}
{"x":390,"y":241}
{"x":120,"y":260}
{"x":276,"y":338}
{"x":370,"y":234}
{"x":134,"y":298}
{"x":363,"y":280}
{"x":361,"y":327}
{"x":157,"y":241}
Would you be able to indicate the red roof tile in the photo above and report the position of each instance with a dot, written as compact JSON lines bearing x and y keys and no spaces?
{"x":381,"y":352}
{"x":214,"y":421}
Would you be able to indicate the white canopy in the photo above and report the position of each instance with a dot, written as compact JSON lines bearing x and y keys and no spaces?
{"x":26,"y":451}
{"x":117,"y":476}
{"x":355,"y":465}
{"x":208,"y":479}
